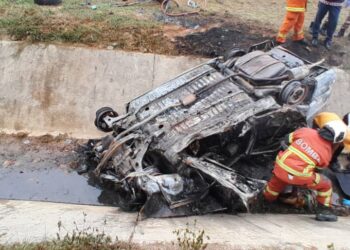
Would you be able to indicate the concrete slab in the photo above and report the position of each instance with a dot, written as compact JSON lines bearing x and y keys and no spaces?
{"x":35,"y":221}
{"x":253,"y":230}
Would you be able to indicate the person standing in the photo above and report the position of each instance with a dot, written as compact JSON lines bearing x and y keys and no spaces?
{"x":294,"y":19}
{"x":333,"y":8}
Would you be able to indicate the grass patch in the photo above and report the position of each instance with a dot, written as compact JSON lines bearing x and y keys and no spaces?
{"x":74,"y":22}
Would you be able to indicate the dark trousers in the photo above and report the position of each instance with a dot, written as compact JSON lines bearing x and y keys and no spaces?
{"x":333,"y":18}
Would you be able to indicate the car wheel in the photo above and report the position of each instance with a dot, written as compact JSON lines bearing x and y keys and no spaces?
{"x":48,"y":2}
{"x":99,"y":119}
{"x":294,"y":93}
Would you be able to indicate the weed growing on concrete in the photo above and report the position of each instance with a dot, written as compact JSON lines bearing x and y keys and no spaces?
{"x":191,"y":238}
{"x":82,"y":237}
{"x":331,"y":246}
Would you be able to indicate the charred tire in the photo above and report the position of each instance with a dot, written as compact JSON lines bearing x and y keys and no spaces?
{"x":100,"y":115}
{"x":48,"y":2}
{"x":294,"y":93}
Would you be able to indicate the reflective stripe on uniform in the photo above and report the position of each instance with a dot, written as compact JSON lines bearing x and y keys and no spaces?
{"x":290,"y":138}
{"x":301,"y":155}
{"x":290,"y":170}
{"x":294,"y":9}
{"x":267,"y":189}
{"x":309,"y":169}
{"x":306,"y":172}
{"x":325,"y":194}
{"x":317,"y":178}
{"x":327,"y":201}
{"x":282,"y":35}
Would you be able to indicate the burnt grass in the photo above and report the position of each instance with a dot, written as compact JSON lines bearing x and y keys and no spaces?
{"x":217,"y":41}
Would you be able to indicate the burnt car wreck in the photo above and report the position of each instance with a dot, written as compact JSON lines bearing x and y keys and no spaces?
{"x":206,"y":140}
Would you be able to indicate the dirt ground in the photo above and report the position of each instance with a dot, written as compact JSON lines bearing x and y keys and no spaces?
{"x":20,"y":149}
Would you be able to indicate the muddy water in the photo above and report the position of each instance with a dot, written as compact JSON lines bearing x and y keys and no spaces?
{"x":31,"y":169}
{"x":47,"y":184}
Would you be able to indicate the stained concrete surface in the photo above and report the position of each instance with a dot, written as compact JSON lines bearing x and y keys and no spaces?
{"x":36,"y":221}
{"x":57,"y":89}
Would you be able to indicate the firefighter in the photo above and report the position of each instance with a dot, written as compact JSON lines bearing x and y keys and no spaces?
{"x":294,"y":19}
{"x":306,"y":150}
{"x":323,"y":118}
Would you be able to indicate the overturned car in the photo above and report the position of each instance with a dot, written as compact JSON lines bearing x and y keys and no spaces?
{"x":205,"y":141}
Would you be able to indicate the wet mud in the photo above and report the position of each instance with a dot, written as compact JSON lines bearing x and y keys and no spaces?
{"x":44,"y":169}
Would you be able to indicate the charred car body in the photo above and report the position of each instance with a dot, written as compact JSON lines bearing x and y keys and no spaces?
{"x":206,"y":140}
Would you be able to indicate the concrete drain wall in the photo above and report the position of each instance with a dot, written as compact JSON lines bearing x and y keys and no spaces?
{"x":57,"y":89}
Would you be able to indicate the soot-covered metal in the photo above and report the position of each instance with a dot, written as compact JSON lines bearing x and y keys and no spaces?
{"x":206,"y":140}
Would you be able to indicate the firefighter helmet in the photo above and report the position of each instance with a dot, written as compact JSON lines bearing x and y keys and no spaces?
{"x":334,"y":131}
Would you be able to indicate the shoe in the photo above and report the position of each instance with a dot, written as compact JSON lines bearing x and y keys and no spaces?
{"x":340,"y":33}
{"x":314,"y":42}
{"x":328,"y":44}
{"x":302,"y":42}
{"x":324,"y":213}
{"x":279,"y":43}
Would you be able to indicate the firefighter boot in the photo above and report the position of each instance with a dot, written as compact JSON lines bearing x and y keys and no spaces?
{"x":324,"y":213}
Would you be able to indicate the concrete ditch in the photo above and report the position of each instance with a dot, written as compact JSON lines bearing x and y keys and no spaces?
{"x":57,"y":89}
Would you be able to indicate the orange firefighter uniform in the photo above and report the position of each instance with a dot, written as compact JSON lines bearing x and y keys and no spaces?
{"x":294,"y":19}
{"x":296,"y":166}
{"x":323,"y":118}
